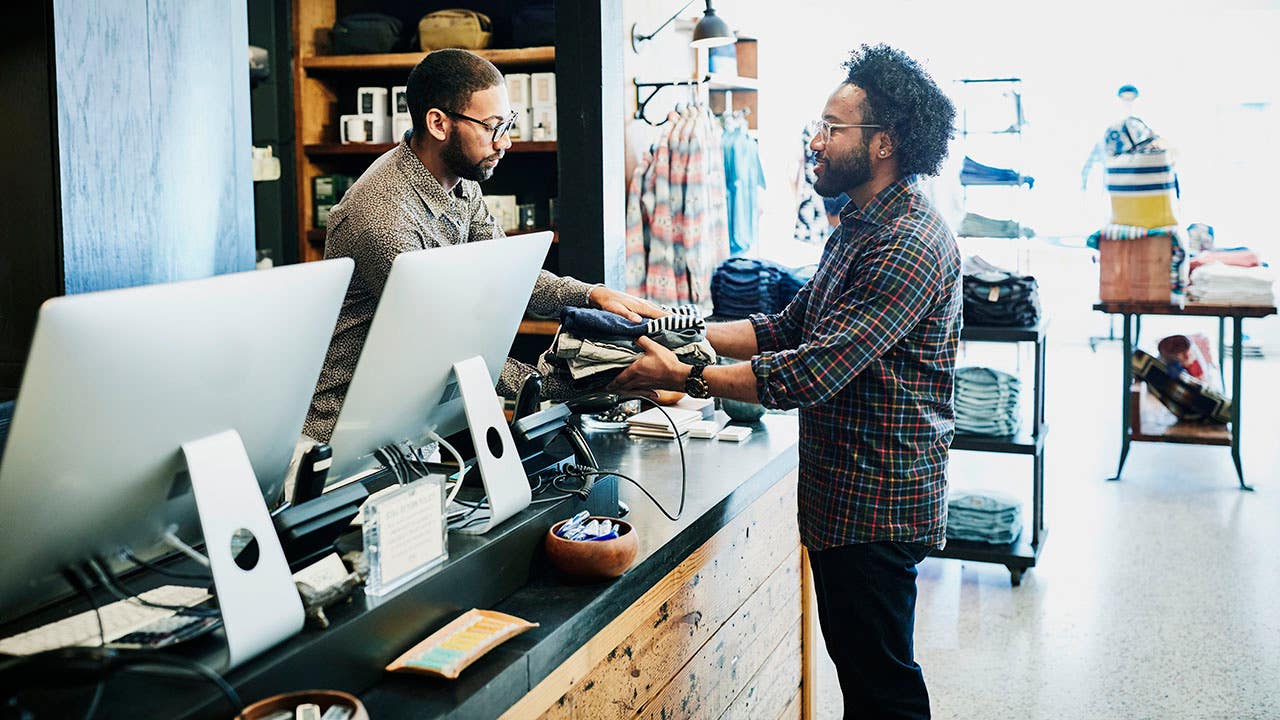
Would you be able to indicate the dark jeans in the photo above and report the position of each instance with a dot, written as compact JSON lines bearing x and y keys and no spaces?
{"x":867,"y":608}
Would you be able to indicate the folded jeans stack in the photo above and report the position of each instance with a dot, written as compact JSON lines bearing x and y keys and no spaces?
{"x":986,"y":402}
{"x":995,"y":297}
{"x":593,"y":346}
{"x":742,"y":286}
{"x":985,"y":517}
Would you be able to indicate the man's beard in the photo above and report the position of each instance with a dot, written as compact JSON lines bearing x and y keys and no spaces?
{"x":459,"y":165}
{"x":843,"y":174}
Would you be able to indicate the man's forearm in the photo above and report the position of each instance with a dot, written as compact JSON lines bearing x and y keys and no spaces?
{"x":736,"y":382}
{"x":735,"y":339}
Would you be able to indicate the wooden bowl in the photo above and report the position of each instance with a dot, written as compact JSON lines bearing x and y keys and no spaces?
{"x":289,"y":701}
{"x":592,"y":560}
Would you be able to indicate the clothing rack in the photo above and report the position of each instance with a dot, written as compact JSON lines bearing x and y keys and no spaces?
{"x":641,"y":103}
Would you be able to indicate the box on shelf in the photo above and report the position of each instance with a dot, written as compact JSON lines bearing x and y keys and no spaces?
{"x":543,"y":89}
{"x":504,"y":210}
{"x":373,"y":103}
{"x":401,"y":120}
{"x":327,"y":191}
{"x":1134,"y":270}
{"x":544,"y":124}
{"x":518,"y":91}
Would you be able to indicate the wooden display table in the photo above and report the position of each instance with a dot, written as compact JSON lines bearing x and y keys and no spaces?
{"x":1183,"y":433}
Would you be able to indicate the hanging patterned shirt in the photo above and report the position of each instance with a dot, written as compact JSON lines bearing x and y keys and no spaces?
{"x":867,"y":351}
{"x":397,"y":206}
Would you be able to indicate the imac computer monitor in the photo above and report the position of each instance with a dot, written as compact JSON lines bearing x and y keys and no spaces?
{"x":117,"y":381}
{"x":439,"y":306}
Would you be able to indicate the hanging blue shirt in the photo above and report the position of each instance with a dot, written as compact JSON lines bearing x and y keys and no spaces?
{"x":744,"y":177}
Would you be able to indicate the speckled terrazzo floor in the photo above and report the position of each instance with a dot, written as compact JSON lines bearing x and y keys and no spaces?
{"x":1155,"y":597}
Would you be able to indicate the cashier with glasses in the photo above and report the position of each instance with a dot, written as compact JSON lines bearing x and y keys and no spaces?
{"x":425,"y":193}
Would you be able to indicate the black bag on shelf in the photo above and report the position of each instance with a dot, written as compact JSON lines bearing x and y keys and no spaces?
{"x":367,"y":33}
{"x":534,"y":25}
{"x":1186,"y":397}
{"x":1001,"y":299}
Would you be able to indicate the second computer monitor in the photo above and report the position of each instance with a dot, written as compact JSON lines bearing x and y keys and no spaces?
{"x":439,"y":306}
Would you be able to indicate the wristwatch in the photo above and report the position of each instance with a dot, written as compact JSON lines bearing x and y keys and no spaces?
{"x":695,"y":385}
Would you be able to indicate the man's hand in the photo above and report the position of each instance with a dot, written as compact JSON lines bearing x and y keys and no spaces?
{"x":657,"y":369}
{"x":619,"y":303}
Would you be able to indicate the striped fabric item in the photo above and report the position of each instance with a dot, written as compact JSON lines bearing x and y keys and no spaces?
{"x":687,"y":317}
{"x":1143,"y":187}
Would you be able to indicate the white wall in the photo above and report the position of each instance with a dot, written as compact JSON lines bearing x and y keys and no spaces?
{"x":1206,"y":72}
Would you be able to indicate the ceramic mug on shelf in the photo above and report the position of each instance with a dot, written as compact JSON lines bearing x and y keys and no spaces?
{"x":355,"y":129}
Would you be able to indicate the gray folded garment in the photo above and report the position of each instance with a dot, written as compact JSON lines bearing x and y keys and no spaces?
{"x":567,"y":345}
{"x":983,"y":516}
{"x":595,"y":358}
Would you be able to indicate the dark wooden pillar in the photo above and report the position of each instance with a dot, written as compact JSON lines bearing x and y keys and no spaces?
{"x":590,"y":108}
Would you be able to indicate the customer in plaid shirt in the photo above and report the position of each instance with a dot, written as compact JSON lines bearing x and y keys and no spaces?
{"x":867,"y":351}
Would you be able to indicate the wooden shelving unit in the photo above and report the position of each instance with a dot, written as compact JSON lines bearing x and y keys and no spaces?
{"x":588,"y":233}
{"x":315,"y":236}
{"x":319,"y":149}
{"x":324,"y":90}
{"x":740,"y":91}
{"x":539,"y":327}
{"x":503,"y":58}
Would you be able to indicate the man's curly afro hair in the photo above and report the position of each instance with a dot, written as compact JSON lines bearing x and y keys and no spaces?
{"x":904,"y":99}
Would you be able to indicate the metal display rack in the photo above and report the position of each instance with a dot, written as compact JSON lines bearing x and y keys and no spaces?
{"x":1020,"y":555}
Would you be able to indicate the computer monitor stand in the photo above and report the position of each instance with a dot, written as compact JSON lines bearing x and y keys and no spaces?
{"x":505,"y":483}
{"x":259,"y":603}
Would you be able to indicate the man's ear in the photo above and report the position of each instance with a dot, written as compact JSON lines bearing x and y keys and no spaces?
{"x":882,"y":146}
{"x":437,"y":124}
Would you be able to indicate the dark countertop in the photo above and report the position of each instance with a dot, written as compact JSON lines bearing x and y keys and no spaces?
{"x":724,"y":478}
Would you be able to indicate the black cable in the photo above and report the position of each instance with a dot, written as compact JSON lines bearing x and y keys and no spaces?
{"x":384,"y":457}
{"x":107,"y":578}
{"x":81,"y":584}
{"x":684,"y":470}
{"x":98,"y":692}
{"x":51,"y":665}
{"x":153,"y":662}
{"x":128,"y":555}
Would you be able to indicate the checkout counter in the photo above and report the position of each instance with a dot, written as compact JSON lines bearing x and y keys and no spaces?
{"x":710,"y":621}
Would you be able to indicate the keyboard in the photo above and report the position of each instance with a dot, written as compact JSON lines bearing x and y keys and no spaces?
{"x":119,"y":620}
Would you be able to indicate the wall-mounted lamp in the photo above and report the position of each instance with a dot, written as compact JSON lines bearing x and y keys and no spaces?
{"x":710,"y":31}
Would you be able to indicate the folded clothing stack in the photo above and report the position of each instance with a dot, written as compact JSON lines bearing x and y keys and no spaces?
{"x":986,"y":402}
{"x":1221,"y":284}
{"x":742,"y":286}
{"x":975,"y":225}
{"x":996,"y":297}
{"x":975,"y":173}
{"x":1240,"y":257}
{"x":985,"y":517}
{"x":593,"y":346}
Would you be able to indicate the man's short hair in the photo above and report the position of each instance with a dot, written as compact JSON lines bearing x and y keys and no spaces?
{"x":905,"y":100}
{"x":445,"y":79}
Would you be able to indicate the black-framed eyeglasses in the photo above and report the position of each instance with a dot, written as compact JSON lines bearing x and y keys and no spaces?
{"x":498,"y":130}
{"x":822,"y":128}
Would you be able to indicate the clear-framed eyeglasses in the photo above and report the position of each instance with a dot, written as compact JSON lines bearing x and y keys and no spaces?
{"x":821,"y":129}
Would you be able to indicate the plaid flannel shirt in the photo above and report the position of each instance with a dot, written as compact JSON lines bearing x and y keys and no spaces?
{"x":867,"y":351}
